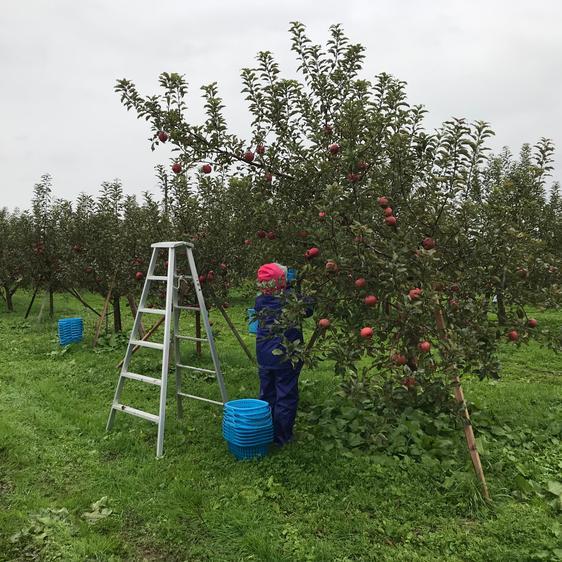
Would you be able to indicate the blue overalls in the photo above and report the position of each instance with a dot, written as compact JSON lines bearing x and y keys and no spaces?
{"x":279,"y":378}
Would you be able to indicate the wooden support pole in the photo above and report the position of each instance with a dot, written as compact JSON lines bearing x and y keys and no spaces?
{"x":232,"y":326}
{"x":31,"y":302}
{"x":315,"y":335}
{"x":133,"y":307}
{"x":468,"y":431}
{"x":77,"y":296}
{"x":144,"y":338}
{"x":103,"y":315}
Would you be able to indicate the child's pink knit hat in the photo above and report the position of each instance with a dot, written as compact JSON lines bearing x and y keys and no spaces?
{"x":272,"y":278}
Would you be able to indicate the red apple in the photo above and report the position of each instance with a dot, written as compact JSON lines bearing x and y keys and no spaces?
{"x":247,"y":242}
{"x":139,"y":275}
{"x":312,"y":253}
{"x":334,"y":148}
{"x":324,"y":323}
{"x":409,"y":382}
{"x":366,"y":332}
{"x":248,"y":155}
{"x":454,"y":304}
{"x":271,"y":235}
{"x":260,"y":149}
{"x":390,"y":221}
{"x":351,"y":177}
{"x":88,"y":269}
{"x":162,"y":136}
{"x":382,"y":201}
{"x":262,"y":233}
{"x":360,"y":282}
{"x":424,"y":346}
{"x":398,"y":358}
{"x":522,"y":272}
{"x":361,"y":165}
{"x":428,"y":243}
{"x":268,"y":177}
{"x":223,"y":266}
{"x":331,"y":265}
{"x":455,"y":288}
{"x":388,"y":212}
{"x":202,"y":278}
{"x":513,"y":335}
{"x":370,"y":300}
{"x":321,"y":215}
{"x":414,"y":294}
{"x":176,"y":168}
{"x":210,"y":275}
{"x":77,"y":248}
{"x":532,"y":323}
{"x":206,"y":168}
{"x":327,"y":130}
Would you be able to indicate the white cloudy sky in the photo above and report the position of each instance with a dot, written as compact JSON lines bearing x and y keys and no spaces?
{"x":497,"y":60}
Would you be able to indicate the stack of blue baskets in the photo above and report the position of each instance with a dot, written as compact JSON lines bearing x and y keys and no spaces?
{"x":70,"y":330}
{"x":247,"y":427}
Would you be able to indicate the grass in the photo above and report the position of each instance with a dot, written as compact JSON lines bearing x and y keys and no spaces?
{"x":298,"y":504}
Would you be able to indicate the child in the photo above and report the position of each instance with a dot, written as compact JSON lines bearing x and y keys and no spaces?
{"x":278,"y":375}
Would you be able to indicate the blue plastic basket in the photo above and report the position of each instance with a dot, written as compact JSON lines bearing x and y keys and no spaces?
{"x":71,"y":330}
{"x":247,"y":427}
{"x":252,"y":321}
{"x":291,"y":275}
{"x":243,"y":453}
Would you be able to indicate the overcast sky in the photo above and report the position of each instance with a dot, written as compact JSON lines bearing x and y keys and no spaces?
{"x":496,"y":60}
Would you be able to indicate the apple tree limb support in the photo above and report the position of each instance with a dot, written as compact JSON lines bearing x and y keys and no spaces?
{"x":31,"y":302}
{"x":146,"y":337}
{"x":468,"y":431}
{"x":103,"y":315}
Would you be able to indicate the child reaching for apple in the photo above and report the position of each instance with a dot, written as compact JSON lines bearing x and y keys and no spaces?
{"x":278,"y":374}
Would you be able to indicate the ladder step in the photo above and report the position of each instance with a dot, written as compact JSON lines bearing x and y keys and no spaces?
{"x":157,"y":277}
{"x":143,"y":343}
{"x":135,"y":412}
{"x":196,"y":308}
{"x":200,"y":398}
{"x":195,"y":368}
{"x":191,"y":338}
{"x":143,"y":378}
{"x":152,"y":311}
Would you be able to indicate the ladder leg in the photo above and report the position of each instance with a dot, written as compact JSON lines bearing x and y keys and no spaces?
{"x":177,"y":354}
{"x":166,"y":351}
{"x":208,"y":331}
{"x":116,"y":398}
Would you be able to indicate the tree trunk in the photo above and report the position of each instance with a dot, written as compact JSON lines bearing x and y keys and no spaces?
{"x":502,"y":316}
{"x":117,"y":324}
{"x":31,"y":302}
{"x":8,"y":298}
{"x":51,"y":303}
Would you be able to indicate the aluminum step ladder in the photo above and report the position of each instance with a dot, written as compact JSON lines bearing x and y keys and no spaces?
{"x":171,"y":315}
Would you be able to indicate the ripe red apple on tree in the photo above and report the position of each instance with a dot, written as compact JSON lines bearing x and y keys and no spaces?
{"x":360,"y":282}
{"x":414,"y":294}
{"x":454,"y":304}
{"x":202,"y":279}
{"x":271,"y":235}
{"x":260,"y":149}
{"x":139,"y":276}
{"x":206,"y":168}
{"x":162,"y":136}
{"x":398,"y":359}
{"x":248,"y":156}
{"x":388,"y":212}
{"x":311,"y":253}
{"x":223,"y":266}
{"x":247,"y":242}
{"x":268,"y":177}
{"x":455,"y":288}
{"x":262,"y":233}
{"x":327,"y":129}
{"x":324,"y":323}
{"x":390,"y":221}
{"x":331,"y":265}
{"x":371,"y":300}
{"x":88,"y":269}
{"x":382,"y":201}
{"x":322,"y":215}
{"x":334,"y":148}
{"x":352,"y":177}
{"x":409,"y":382}
{"x":513,"y":335}
{"x":77,"y":248}
{"x":532,"y":323}
{"x":361,"y":165}
{"x":176,"y":168}
{"x":366,"y":332}
{"x":522,"y":272}
{"x":428,"y":243}
{"x":210,"y":275}
{"x":424,"y":346}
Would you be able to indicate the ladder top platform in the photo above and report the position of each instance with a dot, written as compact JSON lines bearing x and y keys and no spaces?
{"x":171,"y":245}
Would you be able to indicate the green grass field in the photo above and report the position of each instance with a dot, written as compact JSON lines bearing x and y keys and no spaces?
{"x":303,"y":503}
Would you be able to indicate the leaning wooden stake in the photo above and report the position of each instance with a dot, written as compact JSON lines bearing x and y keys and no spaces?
{"x":31,"y":302}
{"x":232,"y":326}
{"x":133,"y":307}
{"x":459,"y":397}
{"x":103,"y":313}
{"x":144,"y":338}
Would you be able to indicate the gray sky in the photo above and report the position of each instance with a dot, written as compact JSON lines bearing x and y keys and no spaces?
{"x":497,"y":60}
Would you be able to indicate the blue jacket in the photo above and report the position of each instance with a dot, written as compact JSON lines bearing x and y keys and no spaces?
{"x":266,"y":342}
